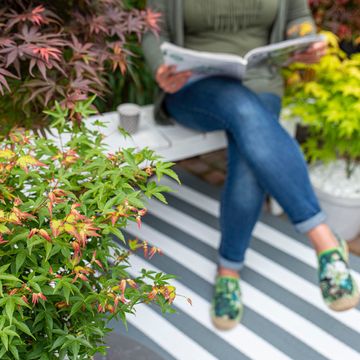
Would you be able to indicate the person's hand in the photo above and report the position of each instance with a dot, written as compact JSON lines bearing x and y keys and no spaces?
{"x":170,"y":80}
{"x":312,"y":54}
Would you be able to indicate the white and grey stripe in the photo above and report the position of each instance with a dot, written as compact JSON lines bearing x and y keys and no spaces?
{"x":284,"y":315}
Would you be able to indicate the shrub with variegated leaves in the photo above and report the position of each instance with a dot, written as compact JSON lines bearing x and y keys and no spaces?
{"x":62,"y":274}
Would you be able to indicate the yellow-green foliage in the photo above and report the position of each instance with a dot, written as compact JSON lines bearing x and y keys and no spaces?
{"x":326,"y":97}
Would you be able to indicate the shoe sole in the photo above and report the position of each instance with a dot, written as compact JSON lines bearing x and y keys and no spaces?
{"x":345,"y":304}
{"x":224,"y":324}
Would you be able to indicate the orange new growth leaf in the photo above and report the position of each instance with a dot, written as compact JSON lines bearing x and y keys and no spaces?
{"x":24,"y":298}
{"x":59,"y":192}
{"x":13,"y":291}
{"x":56,"y":227}
{"x":17,"y":201}
{"x":76,"y":246}
{"x":153,"y":293}
{"x":32,"y":233}
{"x":101,"y":309}
{"x":168,"y":292}
{"x":3,"y":216}
{"x":27,"y":160}
{"x":122,"y":286}
{"x":67,"y":158}
{"x":145,"y":247}
{"x":2,"y":241}
{"x":6,"y":154}
{"x":152,"y":19}
{"x":110,"y":308}
{"x":44,"y":234}
{"x":153,"y":251}
{"x":132,"y":283}
{"x":18,"y":136}
{"x":22,"y":215}
{"x":46,"y":52}
{"x":97,"y":262}
{"x":34,"y":15}
{"x":36,"y":297}
{"x":61,"y":304}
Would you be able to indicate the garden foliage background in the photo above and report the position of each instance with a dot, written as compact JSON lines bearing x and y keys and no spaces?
{"x":48,"y":52}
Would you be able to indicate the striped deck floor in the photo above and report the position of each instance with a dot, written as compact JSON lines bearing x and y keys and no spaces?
{"x":284,"y":315}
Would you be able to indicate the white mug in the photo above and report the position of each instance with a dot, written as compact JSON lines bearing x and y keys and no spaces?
{"x":129,"y":117}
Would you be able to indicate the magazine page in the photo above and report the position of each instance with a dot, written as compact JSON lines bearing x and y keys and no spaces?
{"x":277,"y":54}
{"x":203,"y":64}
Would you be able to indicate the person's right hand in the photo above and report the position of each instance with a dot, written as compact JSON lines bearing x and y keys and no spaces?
{"x":169,"y":79}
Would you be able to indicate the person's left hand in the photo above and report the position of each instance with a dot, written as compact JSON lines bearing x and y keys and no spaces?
{"x":312,"y":54}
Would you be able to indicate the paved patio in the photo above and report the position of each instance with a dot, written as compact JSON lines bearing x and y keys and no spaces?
{"x":284,"y":314}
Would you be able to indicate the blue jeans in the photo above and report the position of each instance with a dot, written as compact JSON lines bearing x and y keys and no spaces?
{"x":262,"y":158}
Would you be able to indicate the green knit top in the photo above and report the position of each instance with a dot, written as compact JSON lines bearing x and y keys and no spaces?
{"x":235,"y":27}
{"x":230,"y":26}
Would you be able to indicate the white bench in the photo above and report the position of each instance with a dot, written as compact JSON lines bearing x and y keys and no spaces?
{"x":172,"y":142}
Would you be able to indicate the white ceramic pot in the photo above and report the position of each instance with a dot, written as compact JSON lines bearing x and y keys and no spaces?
{"x":339,"y":196}
{"x":343,"y":214}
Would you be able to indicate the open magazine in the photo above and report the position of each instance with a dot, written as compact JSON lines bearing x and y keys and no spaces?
{"x":204,"y":64}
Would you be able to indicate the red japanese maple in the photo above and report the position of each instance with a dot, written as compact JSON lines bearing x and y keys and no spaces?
{"x":61,"y":51}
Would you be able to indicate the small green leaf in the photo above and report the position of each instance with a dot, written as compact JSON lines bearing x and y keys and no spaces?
{"x":10,"y":308}
{"x":20,"y":258}
{"x":2,"y":322}
{"x":48,"y":248}
{"x":75,"y":348}
{"x":23,"y":327}
{"x":4,"y":268}
{"x":2,"y":351}
{"x":76,"y":307}
{"x":5,"y":340}
{"x":9,"y":277}
{"x":66,"y":292}
{"x":117,"y":233}
{"x":58,"y":342}
{"x":14,"y":351}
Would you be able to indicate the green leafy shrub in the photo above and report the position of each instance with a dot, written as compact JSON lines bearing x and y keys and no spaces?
{"x":62,"y":276}
{"x":326,"y":97}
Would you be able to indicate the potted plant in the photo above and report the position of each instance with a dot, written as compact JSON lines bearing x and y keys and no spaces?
{"x":66,"y":51}
{"x":62,"y":276}
{"x":326,"y":99}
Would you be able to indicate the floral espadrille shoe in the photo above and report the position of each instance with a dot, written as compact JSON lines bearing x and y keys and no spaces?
{"x":226,"y":306}
{"x":338,"y":287}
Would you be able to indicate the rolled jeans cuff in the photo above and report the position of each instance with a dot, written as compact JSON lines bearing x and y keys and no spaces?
{"x":233,"y":265}
{"x":305,"y":226}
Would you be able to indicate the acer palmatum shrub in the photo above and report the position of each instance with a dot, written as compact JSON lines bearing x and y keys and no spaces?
{"x":62,"y":276}
{"x":62,"y":51}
